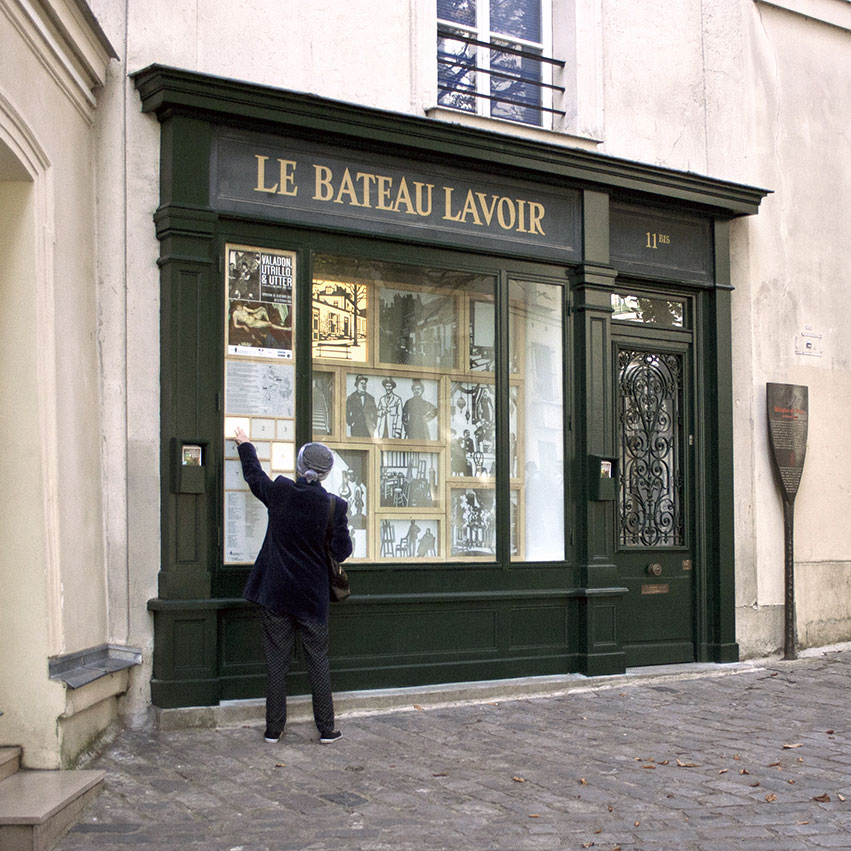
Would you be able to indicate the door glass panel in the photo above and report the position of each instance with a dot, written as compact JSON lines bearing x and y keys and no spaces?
{"x":649,"y":386}
{"x":663,"y":312}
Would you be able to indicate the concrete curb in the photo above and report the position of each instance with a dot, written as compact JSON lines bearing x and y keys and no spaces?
{"x":350,"y":704}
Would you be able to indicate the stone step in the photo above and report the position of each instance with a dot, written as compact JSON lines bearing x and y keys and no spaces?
{"x":10,"y":761}
{"x":37,"y":808}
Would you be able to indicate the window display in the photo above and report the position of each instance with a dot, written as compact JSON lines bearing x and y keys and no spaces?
{"x":418,"y":412}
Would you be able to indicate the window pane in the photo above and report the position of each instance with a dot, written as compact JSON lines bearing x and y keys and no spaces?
{"x":519,"y":86}
{"x":456,"y":75}
{"x":519,"y":18}
{"x":457,"y":11}
{"x":537,"y":440}
{"x":649,"y":311}
{"x":383,"y":403}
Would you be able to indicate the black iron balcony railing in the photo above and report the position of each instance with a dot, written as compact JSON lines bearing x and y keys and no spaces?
{"x":463,"y":65}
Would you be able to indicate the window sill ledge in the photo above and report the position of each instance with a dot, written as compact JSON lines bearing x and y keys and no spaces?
{"x":512,"y":128}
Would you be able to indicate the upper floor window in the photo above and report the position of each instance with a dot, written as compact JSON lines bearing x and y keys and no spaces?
{"x":492,"y":59}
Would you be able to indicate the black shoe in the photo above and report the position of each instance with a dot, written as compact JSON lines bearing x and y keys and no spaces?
{"x":271,"y":736}
{"x":329,"y":736}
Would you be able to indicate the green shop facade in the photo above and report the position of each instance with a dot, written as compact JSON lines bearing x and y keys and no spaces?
{"x":519,"y":353}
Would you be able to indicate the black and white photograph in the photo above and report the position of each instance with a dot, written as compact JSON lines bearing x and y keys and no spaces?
{"x":348,"y":479}
{"x":339,"y":320}
{"x":420,"y":409}
{"x":473,"y":514}
{"x":388,"y":407}
{"x":323,"y":404}
{"x":409,"y":479}
{"x":472,"y":427}
{"x":417,"y":328}
{"x":409,"y":537}
{"x":361,"y":408}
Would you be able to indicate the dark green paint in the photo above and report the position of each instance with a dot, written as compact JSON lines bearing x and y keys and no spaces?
{"x":407,"y":626}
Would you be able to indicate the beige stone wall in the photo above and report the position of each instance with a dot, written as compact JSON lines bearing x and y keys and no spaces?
{"x":726,"y":88}
{"x":52,"y":567}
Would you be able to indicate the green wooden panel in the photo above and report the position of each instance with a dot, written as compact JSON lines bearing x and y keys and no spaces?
{"x":538,"y":626}
{"x":414,"y":632}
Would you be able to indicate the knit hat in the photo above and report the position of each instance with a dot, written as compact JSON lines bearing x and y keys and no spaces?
{"x":314,"y":461}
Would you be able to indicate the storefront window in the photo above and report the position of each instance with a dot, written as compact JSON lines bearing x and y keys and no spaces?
{"x":536,"y":440}
{"x":405,"y":394}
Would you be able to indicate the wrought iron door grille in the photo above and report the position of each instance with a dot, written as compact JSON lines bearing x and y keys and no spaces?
{"x":650,"y":435}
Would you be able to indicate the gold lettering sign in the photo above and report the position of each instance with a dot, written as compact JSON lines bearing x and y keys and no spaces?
{"x":655,"y":589}
{"x":403,"y":195}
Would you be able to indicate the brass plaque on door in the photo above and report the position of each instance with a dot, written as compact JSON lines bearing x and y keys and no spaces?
{"x":655,"y":589}
{"x":686,"y":564}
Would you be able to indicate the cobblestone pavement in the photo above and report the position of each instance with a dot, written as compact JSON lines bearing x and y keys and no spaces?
{"x":758,"y":758}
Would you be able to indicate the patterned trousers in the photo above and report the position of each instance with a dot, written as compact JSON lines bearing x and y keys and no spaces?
{"x":279,"y":634}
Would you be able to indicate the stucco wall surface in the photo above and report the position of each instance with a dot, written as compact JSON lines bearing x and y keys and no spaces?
{"x":52,"y":570}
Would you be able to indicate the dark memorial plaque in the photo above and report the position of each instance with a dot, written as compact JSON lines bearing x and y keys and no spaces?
{"x":787,"y":433}
{"x":788,"y":413}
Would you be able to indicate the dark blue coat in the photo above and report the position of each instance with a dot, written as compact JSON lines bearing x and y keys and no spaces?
{"x":290,"y":575}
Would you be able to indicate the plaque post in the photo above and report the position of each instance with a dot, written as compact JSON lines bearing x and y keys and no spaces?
{"x":788,"y":413}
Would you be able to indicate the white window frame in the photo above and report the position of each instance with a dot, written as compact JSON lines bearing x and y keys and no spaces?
{"x":484,"y":106}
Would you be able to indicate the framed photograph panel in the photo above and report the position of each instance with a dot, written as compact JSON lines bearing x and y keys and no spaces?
{"x":324,"y":409}
{"x":417,"y":328}
{"x":409,"y":479}
{"x":349,"y":479}
{"x":413,"y":538}
{"x":339,"y":320}
{"x":472,"y":514}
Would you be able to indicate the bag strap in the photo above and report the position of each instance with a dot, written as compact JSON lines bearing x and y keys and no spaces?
{"x":332,"y":504}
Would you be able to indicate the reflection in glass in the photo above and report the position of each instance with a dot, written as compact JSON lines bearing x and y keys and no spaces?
{"x":649,"y":311}
{"x":539,"y":332}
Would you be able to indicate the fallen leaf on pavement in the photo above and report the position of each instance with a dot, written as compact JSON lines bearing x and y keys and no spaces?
{"x":774,"y":765}
{"x":723,"y":771}
{"x":648,"y":766}
{"x":771,"y":797}
{"x":829,"y":732}
{"x":754,"y":785}
{"x":841,"y":797}
{"x":518,"y":779}
{"x":418,"y":707}
{"x":636,"y":824}
{"x":280,"y":765}
{"x":736,"y":756}
{"x":611,"y":808}
{"x":534,"y":815}
{"x":441,"y":774}
{"x":588,"y":845}
{"x":792,"y":747}
{"x":803,"y":822}
{"x":744,"y":771}
{"x":665,"y":762}
{"x":790,"y":781}
{"x":682,"y":764}
{"x":583,"y":781}
{"x":822,"y":799}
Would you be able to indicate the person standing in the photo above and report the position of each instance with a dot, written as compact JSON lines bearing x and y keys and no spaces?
{"x":289,"y":580}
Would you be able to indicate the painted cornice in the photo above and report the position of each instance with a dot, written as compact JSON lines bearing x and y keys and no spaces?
{"x":169,"y":91}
